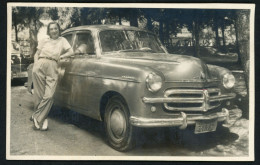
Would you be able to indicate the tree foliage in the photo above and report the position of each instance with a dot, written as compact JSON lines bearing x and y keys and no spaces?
{"x":28,"y":17}
{"x":167,"y":23}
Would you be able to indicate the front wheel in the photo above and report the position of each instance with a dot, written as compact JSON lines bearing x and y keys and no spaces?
{"x":119,"y":132}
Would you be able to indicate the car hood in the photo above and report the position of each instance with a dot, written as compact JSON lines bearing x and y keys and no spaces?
{"x":172,"y":66}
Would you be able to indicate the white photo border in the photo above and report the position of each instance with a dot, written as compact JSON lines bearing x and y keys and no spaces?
{"x":251,"y":7}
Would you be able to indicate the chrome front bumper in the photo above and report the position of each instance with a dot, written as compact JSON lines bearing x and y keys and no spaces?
{"x":19,"y":75}
{"x":182,"y":121}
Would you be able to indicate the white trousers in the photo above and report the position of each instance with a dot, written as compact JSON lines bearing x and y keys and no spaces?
{"x":44,"y":76}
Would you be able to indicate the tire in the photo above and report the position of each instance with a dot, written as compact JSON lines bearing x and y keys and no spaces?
{"x":119,"y":132}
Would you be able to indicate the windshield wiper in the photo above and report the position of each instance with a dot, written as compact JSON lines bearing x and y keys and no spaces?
{"x":128,"y":50}
{"x":145,"y":49}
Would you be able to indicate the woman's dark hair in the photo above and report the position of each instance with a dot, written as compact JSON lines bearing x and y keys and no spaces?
{"x":48,"y":28}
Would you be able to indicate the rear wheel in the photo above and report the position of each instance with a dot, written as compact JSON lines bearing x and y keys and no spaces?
{"x":119,"y":132}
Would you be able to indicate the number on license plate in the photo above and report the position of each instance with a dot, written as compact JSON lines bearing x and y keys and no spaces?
{"x":203,"y":126}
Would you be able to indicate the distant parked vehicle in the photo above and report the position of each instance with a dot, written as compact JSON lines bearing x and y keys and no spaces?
{"x":19,"y":63}
{"x":18,"y":67}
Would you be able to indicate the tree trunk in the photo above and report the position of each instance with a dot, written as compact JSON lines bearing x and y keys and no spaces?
{"x":84,"y":16}
{"x":33,"y":43}
{"x":149,"y":23}
{"x":161,"y":31}
{"x":35,"y":27}
{"x":167,"y":33}
{"x":120,"y":19}
{"x":223,"y":35}
{"x":133,"y":18}
{"x":237,"y":45}
{"x":33,"y":38}
{"x":99,"y":21}
{"x":15,"y":28}
{"x":133,"y":22}
{"x":192,"y":35}
{"x":242,"y":31}
{"x":216,"y":32}
{"x":197,"y":37}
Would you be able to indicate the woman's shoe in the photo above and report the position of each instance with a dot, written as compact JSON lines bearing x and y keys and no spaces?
{"x":44,"y":125}
{"x":36,"y":124}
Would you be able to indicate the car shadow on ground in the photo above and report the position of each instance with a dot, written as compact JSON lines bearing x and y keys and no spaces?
{"x":180,"y":140}
{"x":151,"y":138}
{"x":205,"y":141}
{"x":65,"y":115}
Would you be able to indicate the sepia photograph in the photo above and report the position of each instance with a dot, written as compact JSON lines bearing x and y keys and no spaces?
{"x":130,"y":81}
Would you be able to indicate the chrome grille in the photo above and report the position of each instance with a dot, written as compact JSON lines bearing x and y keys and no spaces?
{"x":192,"y":99}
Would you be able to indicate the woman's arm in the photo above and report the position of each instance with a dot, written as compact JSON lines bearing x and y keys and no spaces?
{"x":68,"y":53}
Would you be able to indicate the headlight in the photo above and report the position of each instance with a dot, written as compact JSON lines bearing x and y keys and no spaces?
{"x":228,"y":80}
{"x":153,"y":82}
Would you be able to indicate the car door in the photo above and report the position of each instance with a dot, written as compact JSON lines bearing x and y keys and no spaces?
{"x":62,"y":95}
{"x":82,"y":69}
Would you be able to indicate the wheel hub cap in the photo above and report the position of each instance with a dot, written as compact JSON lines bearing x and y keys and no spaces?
{"x":118,"y":123}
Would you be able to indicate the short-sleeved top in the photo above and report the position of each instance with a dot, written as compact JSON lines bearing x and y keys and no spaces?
{"x":53,"y":48}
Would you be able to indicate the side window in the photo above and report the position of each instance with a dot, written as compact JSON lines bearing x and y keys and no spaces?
{"x":84,"y":44}
{"x":69,"y":38}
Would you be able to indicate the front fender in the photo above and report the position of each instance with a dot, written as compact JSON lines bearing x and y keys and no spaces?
{"x":218,"y":72}
{"x":127,"y":80}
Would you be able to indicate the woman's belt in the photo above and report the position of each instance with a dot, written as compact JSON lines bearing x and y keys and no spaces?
{"x":49,"y":58}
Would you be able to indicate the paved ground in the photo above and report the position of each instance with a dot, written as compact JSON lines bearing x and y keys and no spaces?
{"x":73,"y":134}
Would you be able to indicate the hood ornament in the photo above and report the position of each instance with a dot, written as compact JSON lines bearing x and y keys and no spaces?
{"x":202,"y":76}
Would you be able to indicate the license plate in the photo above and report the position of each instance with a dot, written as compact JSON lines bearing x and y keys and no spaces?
{"x":203,"y":126}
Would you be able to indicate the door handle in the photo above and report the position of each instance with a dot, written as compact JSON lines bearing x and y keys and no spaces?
{"x":88,"y":74}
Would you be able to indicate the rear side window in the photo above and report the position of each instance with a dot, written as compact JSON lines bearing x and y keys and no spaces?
{"x":68,"y":38}
{"x":84,"y":44}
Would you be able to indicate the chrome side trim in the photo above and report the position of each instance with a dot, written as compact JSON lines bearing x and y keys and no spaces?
{"x":103,"y":77}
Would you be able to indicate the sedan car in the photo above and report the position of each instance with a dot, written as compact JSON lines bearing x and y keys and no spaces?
{"x":125,"y":77}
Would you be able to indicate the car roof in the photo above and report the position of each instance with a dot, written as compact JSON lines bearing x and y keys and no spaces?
{"x":102,"y":27}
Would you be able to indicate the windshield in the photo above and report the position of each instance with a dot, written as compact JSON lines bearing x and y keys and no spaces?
{"x":129,"y":40}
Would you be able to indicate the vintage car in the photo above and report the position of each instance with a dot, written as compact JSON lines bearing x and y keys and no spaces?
{"x":19,"y":66}
{"x":19,"y":63}
{"x":125,"y":77}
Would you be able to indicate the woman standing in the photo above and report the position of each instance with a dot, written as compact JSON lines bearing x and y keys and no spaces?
{"x":45,"y":74}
